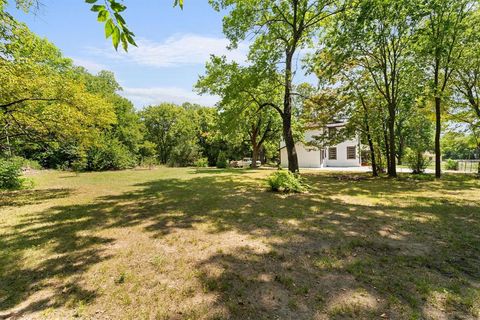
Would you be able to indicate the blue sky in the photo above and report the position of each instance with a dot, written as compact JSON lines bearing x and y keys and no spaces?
{"x":173,"y":45}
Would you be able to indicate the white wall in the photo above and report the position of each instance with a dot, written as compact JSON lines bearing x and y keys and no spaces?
{"x":308,"y":158}
{"x":342,"y":160}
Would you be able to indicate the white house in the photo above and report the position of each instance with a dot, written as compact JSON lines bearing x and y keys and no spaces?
{"x":344,"y":154}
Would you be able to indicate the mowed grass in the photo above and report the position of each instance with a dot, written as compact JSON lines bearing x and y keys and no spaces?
{"x":215,"y":244}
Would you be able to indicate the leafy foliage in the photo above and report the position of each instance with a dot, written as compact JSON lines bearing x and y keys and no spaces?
{"x":417,"y":161}
{"x":222,"y":161}
{"x":285,"y":181}
{"x":109,"y":154}
{"x":43,"y":97}
{"x":201,"y":163}
{"x":11,"y":174}
{"x":451,"y":164}
{"x":247,"y":96}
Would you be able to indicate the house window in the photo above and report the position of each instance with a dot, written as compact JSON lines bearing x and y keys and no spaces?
{"x":332,"y":153}
{"x":351,"y":153}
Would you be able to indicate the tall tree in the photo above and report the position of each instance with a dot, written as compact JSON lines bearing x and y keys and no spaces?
{"x":169,"y":127}
{"x":443,"y":43}
{"x":280,"y":28}
{"x":244,"y":93}
{"x":466,"y":97}
{"x":375,"y":36}
{"x":43,"y":97}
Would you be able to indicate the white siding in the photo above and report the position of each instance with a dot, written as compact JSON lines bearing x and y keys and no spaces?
{"x":310,"y":157}
{"x":342,"y":160}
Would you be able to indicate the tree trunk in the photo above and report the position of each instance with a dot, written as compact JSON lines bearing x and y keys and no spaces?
{"x":290,"y":144}
{"x":262,"y":156}
{"x":380,"y":167}
{"x":372,"y":152}
{"x":369,"y":138}
{"x":255,"y":153}
{"x":387,"y":149}
{"x":391,"y":128}
{"x":287,"y":116}
{"x":438,"y":128}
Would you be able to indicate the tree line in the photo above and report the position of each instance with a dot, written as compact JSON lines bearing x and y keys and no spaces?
{"x":64,"y":117}
{"x":403,"y":74}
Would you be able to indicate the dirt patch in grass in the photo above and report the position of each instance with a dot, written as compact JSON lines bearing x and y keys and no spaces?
{"x":214,"y":244}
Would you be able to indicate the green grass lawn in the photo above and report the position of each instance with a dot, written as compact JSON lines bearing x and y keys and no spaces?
{"x":212,"y":244}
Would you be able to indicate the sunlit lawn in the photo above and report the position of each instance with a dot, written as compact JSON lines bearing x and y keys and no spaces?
{"x":209,"y":244}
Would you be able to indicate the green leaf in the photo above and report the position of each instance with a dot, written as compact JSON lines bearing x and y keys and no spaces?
{"x":124,"y":42}
{"x":90,"y":1}
{"x":120,"y":19}
{"x":97,"y":7}
{"x":178,"y":3}
{"x":109,"y":27}
{"x":103,"y":15}
{"x":116,"y":37}
{"x":117,"y":7}
{"x":130,"y":38}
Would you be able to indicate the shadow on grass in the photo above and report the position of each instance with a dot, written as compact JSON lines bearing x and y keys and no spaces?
{"x":330,"y":257}
{"x":230,"y":171}
{"x":19,"y":198}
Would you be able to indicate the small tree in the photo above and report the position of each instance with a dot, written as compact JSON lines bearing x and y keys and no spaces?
{"x":10,"y":174}
{"x":417,"y":161}
{"x":222,"y":161}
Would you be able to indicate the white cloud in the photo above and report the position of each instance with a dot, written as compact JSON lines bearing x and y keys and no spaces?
{"x":90,"y":65}
{"x":177,"y":50}
{"x":149,"y":96}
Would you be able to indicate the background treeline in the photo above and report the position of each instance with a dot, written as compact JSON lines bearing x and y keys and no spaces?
{"x":54,"y":114}
{"x":405,"y":75}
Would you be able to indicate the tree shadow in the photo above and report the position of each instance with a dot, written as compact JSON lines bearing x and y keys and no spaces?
{"x":18,"y":198}
{"x":326,"y":255}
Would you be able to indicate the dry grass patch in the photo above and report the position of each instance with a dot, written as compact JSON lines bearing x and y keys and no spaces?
{"x":215,"y":244}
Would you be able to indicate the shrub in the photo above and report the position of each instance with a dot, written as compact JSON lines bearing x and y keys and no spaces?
{"x":79,"y":165}
{"x":110,"y":154}
{"x":61,"y":156}
{"x":149,"y":162}
{"x":201,"y":163}
{"x":184,"y":154}
{"x":27,"y":163}
{"x":222,"y":161}
{"x":11,"y":174}
{"x":451,"y":165}
{"x":285,"y":181}
{"x":417,"y":161}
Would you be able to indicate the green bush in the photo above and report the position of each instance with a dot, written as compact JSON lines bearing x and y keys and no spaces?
{"x":222,"y":161}
{"x":149,"y":162}
{"x":27,"y":163}
{"x":285,"y":181}
{"x":110,"y":154}
{"x":61,"y":156}
{"x":146,"y":151}
{"x":451,"y":165}
{"x":11,"y":174}
{"x":79,"y":165}
{"x":417,"y":161}
{"x":201,"y":163}
{"x":184,"y":154}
